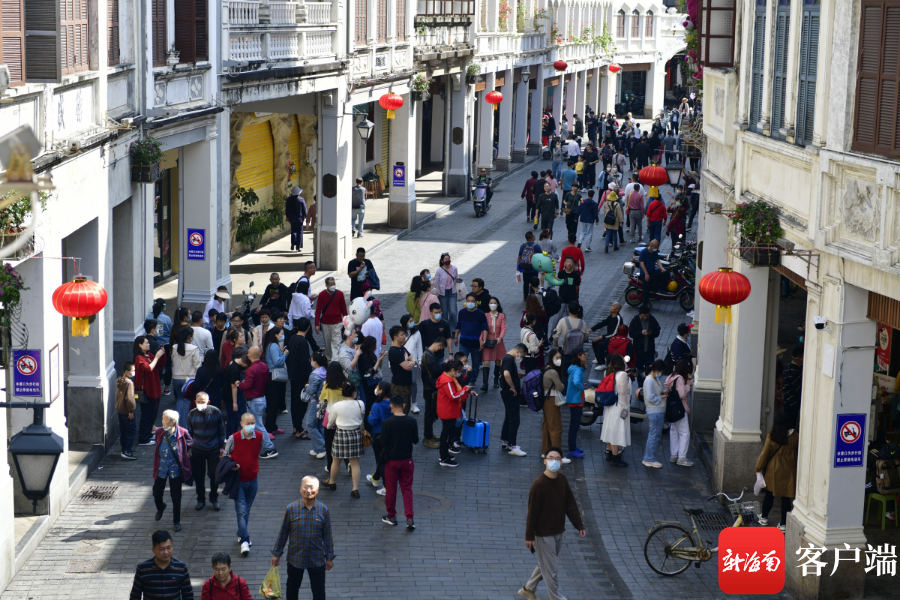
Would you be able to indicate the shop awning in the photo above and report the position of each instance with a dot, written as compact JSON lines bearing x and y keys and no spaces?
{"x":798,"y":279}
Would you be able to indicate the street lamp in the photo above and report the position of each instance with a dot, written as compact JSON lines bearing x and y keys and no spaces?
{"x":365,"y":129}
{"x":35,"y":451}
{"x":673,"y":170}
{"x":526,"y":73}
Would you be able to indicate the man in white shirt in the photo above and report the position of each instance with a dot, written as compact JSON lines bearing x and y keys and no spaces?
{"x":217,"y":302}
{"x":202,"y":336}
{"x":634,"y":185}
{"x":300,"y":304}
{"x":375,"y":328}
{"x":573,"y":148}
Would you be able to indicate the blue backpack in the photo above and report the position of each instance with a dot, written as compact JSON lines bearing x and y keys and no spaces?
{"x":533,"y":389}
{"x":605,"y":394}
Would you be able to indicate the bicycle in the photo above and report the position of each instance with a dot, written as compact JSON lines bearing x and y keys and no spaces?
{"x":670,"y":543}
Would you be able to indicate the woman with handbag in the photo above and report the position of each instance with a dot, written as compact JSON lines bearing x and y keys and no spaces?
{"x":171,"y":461}
{"x":446,"y":279}
{"x":147,"y":385}
{"x":332,"y":393}
{"x":494,"y":349}
{"x":426,"y":299}
{"x":778,"y":463}
{"x":234,"y":338}
{"x":679,"y":430}
{"x":533,"y":335}
{"x":347,"y":417}
{"x":616,"y":430}
{"x":655,"y":395}
{"x":277,"y":386}
{"x":186,"y":360}
{"x":312,"y":421}
{"x":554,"y":397}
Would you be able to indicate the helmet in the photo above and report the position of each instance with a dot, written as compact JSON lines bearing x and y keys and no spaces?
{"x":673,"y":286}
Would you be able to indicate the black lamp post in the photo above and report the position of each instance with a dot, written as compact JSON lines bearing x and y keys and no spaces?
{"x":673,"y":170}
{"x":35,"y":451}
{"x":365,"y":129}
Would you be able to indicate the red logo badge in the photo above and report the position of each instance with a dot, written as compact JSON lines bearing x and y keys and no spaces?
{"x":751,"y":560}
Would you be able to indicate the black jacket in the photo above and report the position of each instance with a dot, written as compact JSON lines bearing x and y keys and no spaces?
{"x":230,"y":478}
{"x":644,"y":343}
{"x":294,"y":210}
{"x":298,"y":365}
{"x":280,"y":302}
{"x":482,"y":300}
{"x":431,"y":370}
{"x":611,"y":323}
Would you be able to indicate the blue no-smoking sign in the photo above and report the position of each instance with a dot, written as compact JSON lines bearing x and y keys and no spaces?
{"x":850,"y":440}
{"x":196,"y":244}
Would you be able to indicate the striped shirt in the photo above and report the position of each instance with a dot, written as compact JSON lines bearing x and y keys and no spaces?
{"x":152,"y":582}
{"x":309,"y":530}
{"x":207,"y":428}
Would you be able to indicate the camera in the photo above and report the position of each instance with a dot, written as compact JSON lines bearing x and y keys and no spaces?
{"x":819,"y":322}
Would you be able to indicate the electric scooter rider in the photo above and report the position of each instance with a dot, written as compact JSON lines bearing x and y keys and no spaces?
{"x":483,"y":180}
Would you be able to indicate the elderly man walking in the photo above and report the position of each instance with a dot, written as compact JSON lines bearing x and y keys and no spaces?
{"x":306,"y":529}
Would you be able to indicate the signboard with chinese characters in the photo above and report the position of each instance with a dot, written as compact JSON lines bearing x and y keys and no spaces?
{"x":27,"y":373}
{"x":196,"y":246}
{"x":399,"y":176}
{"x":850,"y":440}
{"x":883,"y":348}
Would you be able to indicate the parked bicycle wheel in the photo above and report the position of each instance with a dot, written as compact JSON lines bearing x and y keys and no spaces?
{"x":659,"y":545}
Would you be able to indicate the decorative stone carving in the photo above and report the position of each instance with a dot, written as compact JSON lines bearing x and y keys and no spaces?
{"x":159,"y":94}
{"x":196,"y":87}
{"x":861,"y":209}
{"x":719,"y":102}
{"x":361,"y":64}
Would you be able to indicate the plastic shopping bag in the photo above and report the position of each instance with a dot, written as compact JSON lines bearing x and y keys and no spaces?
{"x":271,"y":585}
{"x":518,"y":276}
{"x":760,"y":484}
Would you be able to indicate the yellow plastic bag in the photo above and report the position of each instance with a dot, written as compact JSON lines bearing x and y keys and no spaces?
{"x":271,"y":585}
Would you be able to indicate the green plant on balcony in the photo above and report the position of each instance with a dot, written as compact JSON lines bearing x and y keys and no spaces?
{"x":758,"y":222}
{"x":11,"y":288}
{"x":145,"y":152}
{"x":252,"y":225}
{"x":540,"y":14}
{"x":505,"y":11}
{"x":555,"y":37}
{"x":605,"y":41}
{"x":520,"y":17}
{"x":16,"y":209}
{"x":421,"y":83}
{"x":587,"y":35}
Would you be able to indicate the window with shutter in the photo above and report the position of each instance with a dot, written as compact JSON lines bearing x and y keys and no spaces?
{"x":112,"y":30}
{"x":401,"y":20}
{"x":191,"y":33}
{"x":620,"y":24}
{"x":12,"y":39}
{"x":779,"y":78}
{"x":758,"y":70}
{"x":874,"y":128}
{"x":43,"y":57}
{"x":159,"y":41}
{"x":635,"y":24}
{"x":809,"y":61}
{"x":717,"y":33}
{"x":360,"y":22}
{"x":648,"y":25}
{"x":74,"y":35}
{"x":382,"y":21}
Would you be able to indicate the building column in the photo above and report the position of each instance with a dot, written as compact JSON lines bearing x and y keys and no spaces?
{"x":418,"y":145}
{"x":520,"y":146}
{"x":558,"y":101}
{"x":738,"y":439}
{"x":656,"y":87}
{"x":594,"y":95}
{"x":570,"y":101}
{"x":335,"y":180}
{"x":402,"y":203}
{"x":485,"y":129}
{"x":198,"y":279}
{"x":130,"y":295}
{"x":828,"y":509}
{"x":608,"y":84}
{"x":504,"y":152}
{"x":535,"y":145}
{"x":580,"y":95}
{"x":458,"y":173}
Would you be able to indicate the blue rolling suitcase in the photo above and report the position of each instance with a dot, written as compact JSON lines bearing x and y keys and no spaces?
{"x":476,"y":434}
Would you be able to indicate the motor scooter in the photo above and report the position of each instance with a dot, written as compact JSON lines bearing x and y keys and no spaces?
{"x":479,"y":199}
{"x":244,"y":309}
{"x":634,"y":293}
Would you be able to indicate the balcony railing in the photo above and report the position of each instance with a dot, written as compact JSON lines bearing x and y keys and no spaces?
{"x":246,"y":47}
{"x":318,"y":13}
{"x":445,"y":8}
{"x":491,"y":43}
{"x":283,"y":45}
{"x":317,"y":43}
{"x":243,"y":12}
{"x":283,"y":13}
{"x":259,"y":31}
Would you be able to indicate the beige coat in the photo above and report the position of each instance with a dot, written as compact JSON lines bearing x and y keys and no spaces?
{"x":604,"y":208}
{"x":780,"y":464}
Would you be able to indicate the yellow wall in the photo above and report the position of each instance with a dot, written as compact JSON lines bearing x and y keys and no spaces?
{"x":257,"y":155}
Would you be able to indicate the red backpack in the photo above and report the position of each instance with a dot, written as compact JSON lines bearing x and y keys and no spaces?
{"x":605,"y":394}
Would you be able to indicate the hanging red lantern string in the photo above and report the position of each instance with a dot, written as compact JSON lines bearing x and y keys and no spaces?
{"x":614,"y":68}
{"x":724,"y":288}
{"x":390,"y":102}
{"x":494,"y":98}
{"x":654,"y":175}
{"x":560,"y":65}
{"x":79,"y":299}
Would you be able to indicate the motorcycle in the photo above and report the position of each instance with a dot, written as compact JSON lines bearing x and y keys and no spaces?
{"x":479,"y":200}
{"x":684,"y":292}
{"x":245,"y":309}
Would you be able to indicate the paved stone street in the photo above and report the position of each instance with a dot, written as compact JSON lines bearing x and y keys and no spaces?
{"x":470,"y":537}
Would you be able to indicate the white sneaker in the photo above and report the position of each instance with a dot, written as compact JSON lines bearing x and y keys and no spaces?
{"x":320,"y":455}
{"x":373,"y":481}
{"x":683,"y":462}
{"x":516,"y":451}
{"x":381,"y":491}
{"x":599,"y":367}
{"x":673,"y":459}
{"x":313,"y":453}
{"x":239,"y":541}
{"x":595,"y":362}
{"x":566,"y":460}
{"x":651,"y":465}
{"x":782,"y":528}
{"x":763,"y":521}
{"x":245,"y":549}
{"x":414,"y":408}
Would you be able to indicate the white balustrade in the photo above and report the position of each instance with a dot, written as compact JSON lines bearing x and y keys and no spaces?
{"x":317,"y":43}
{"x":283,"y":45}
{"x":283,"y":13}
{"x":318,"y":13}
{"x":246,"y":46}
{"x":243,"y":12}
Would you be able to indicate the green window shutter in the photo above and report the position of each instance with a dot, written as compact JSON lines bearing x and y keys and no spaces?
{"x":758,"y":72}
{"x":809,"y":59}
{"x":782,"y":33}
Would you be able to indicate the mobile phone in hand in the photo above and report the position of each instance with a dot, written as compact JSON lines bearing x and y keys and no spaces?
{"x":532,"y":549}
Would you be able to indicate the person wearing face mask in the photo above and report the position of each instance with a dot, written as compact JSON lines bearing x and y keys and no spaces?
{"x":331,"y":308}
{"x":125,"y":407}
{"x":494,"y":349}
{"x":655,"y":399}
{"x":426,"y":300}
{"x":472,"y":333}
{"x":555,"y":394}
{"x":171,"y":462}
{"x":243,"y":448}
{"x":445,"y":280}
{"x":276,"y":389}
{"x":550,"y":501}
{"x":412,"y":298}
{"x":206,"y":426}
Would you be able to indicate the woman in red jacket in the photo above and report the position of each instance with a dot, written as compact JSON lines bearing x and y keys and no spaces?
{"x":450,"y":396}
{"x":224,"y":585}
{"x":147,"y":368}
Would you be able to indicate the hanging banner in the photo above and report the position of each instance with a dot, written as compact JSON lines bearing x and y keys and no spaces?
{"x":883,"y":348}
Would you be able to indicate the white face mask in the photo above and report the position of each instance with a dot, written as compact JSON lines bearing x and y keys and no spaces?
{"x":557,"y":361}
{"x":331,"y":289}
{"x":493,"y":307}
{"x":554,"y":465}
{"x":201,"y":407}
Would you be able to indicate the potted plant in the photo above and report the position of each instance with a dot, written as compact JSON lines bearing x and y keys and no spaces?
{"x":11,"y":288}
{"x":17,"y":208}
{"x":420,"y":85}
{"x":145,"y":155}
{"x":472,"y":72}
{"x":760,"y":229}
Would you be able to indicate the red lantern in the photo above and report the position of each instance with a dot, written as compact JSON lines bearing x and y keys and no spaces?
{"x":560,"y":65}
{"x":493,"y":98}
{"x":390,"y":103}
{"x":614,"y":68}
{"x":654,"y":175}
{"x":79,"y":299}
{"x":724,"y":288}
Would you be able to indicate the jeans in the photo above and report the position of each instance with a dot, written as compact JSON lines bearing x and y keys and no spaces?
{"x":448,"y":433}
{"x":448,"y":308}
{"x":612,"y":236}
{"x":510,"y":416}
{"x":574,"y":425}
{"x":474,"y":354}
{"x":547,"y":223}
{"x":314,"y":428}
{"x":399,"y":471}
{"x":246,"y":494}
{"x":656,"y":283}
{"x":148,"y":418}
{"x":654,"y":230}
{"x":181,"y":405}
{"x":586,"y":234}
{"x":203,"y":461}
{"x":257,"y":406}
{"x":556,"y":169}
{"x":295,"y":578}
{"x":159,"y":485}
{"x":654,"y":435}
{"x":359,"y":214}
{"x":642,"y":359}
{"x":637,"y":222}
{"x":233,"y":417}
{"x":127,"y":431}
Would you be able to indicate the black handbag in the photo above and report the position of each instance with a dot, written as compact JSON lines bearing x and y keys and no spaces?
{"x":490,"y":343}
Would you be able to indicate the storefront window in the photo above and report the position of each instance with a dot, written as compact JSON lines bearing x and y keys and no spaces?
{"x":162,"y":230}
